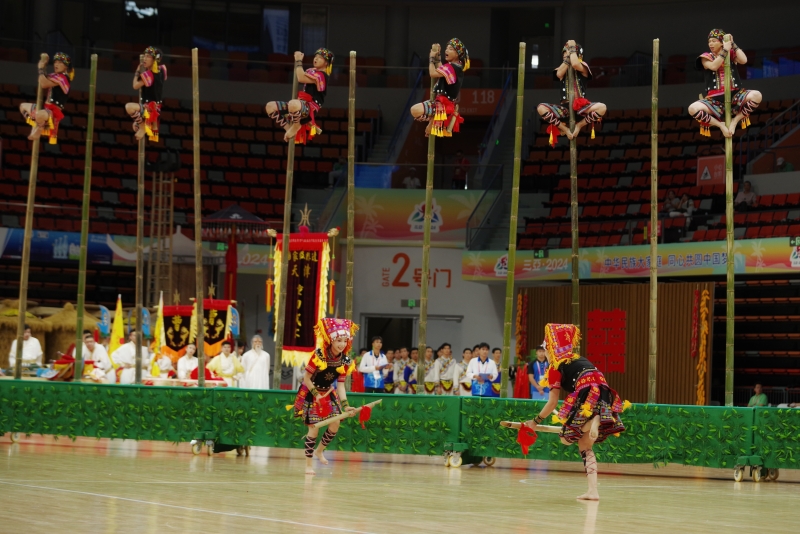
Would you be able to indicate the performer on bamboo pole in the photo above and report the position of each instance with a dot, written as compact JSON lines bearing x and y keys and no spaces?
{"x":558,"y":114}
{"x":150,"y":78}
{"x":590,"y":412}
{"x":441,"y":112}
{"x":322,"y":394}
{"x":57,"y":84}
{"x":710,"y":111}
{"x":297,"y":116}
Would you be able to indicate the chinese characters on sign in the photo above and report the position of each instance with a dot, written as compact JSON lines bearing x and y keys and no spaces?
{"x":605,"y":340}
{"x":441,"y":278}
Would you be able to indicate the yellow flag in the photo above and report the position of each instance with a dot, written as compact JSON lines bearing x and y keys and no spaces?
{"x":117,"y":331}
{"x":159,"y":337}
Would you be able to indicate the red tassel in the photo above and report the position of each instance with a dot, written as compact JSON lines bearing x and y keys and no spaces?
{"x":579,"y":103}
{"x":365,"y":415}
{"x":553,"y":131}
{"x":324,"y":407}
{"x":526,"y":437}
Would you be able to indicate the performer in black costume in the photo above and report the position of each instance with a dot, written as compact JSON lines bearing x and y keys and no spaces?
{"x":150,"y":78}
{"x":57,"y":84}
{"x":441,"y":111}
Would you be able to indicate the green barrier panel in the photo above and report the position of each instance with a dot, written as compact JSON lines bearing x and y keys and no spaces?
{"x":104,"y":411}
{"x":401,"y":424}
{"x":691,"y":435}
{"x":776,"y":437}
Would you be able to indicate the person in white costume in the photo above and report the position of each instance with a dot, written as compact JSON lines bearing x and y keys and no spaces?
{"x":431,"y":383}
{"x":125,"y":358}
{"x":462,"y":384}
{"x":256,"y":363}
{"x":31,"y":350}
{"x":226,"y":365}
{"x":445,"y":369}
{"x":187,"y":363}
{"x":97,"y":353}
{"x":372,"y":365}
{"x":400,"y":363}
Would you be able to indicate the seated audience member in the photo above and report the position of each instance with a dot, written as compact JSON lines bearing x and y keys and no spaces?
{"x":759,"y":399}
{"x":745,"y":199}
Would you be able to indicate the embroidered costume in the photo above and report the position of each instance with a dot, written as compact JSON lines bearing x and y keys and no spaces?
{"x":588,"y":393}
{"x":57,"y":97}
{"x":311,"y":98}
{"x":150,"y":106}
{"x":714,"y":100}
{"x":558,"y":113}
{"x":445,"y":370}
{"x":441,"y":108}
{"x":410,"y":377}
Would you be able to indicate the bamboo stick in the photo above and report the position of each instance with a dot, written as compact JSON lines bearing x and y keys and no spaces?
{"x":729,"y":289}
{"x":651,"y":366}
{"x":140,"y":249}
{"x":198,"y":224}
{"x":26,"y":243}
{"x":426,"y":257}
{"x":351,"y":189}
{"x":573,"y":192}
{"x":87,"y":190}
{"x":280,"y":310}
{"x":512,"y":229}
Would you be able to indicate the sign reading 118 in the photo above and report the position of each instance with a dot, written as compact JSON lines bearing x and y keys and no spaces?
{"x":483,"y":97}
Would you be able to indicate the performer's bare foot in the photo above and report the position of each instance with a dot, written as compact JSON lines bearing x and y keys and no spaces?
{"x":734,"y":123}
{"x":320,"y":455}
{"x":140,"y":133}
{"x":589,"y":496}
{"x":310,"y":466}
{"x":428,"y":129}
{"x":725,"y":131}
{"x":578,"y":126}
{"x":291,"y":131}
{"x":36,"y":132}
{"x":565,"y":130}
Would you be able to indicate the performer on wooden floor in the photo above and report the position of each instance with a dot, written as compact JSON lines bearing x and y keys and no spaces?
{"x":441,"y":112}
{"x":45,"y":121}
{"x":558,"y":114}
{"x":590,"y":412}
{"x":297,"y":116}
{"x":710,"y":111}
{"x":150,"y":78}
{"x":323,"y":395}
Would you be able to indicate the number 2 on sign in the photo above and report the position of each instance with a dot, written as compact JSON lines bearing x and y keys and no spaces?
{"x":483,"y":97}
{"x":398,"y":280}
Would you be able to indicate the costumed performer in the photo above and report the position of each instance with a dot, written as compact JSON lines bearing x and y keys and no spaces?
{"x":297,"y":116}
{"x":97,"y":353}
{"x":45,"y":121}
{"x":440,"y":112}
{"x":590,"y":412}
{"x":558,"y":114}
{"x":463,"y":385}
{"x":256,"y":366}
{"x":537,"y":370}
{"x":430,"y":385}
{"x":125,"y":358}
{"x":388,"y":373}
{"x":32,"y":353}
{"x":410,"y":372}
{"x":710,"y":111}
{"x":150,"y":78}
{"x":226,"y":365}
{"x":323,"y":395}
{"x":400,"y":363}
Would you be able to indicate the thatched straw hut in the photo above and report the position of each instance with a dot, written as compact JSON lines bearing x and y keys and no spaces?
{"x":9,"y":311}
{"x":62,"y":333}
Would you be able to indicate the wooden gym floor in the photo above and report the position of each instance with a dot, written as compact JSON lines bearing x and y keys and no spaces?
{"x":120,"y":487}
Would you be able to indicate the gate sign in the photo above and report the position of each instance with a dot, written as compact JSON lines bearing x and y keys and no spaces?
{"x":711,"y":170}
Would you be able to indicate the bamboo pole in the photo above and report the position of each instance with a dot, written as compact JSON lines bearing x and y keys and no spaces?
{"x":198,"y":225}
{"x":26,"y":243}
{"x":280,"y":310}
{"x":87,"y":189}
{"x":651,"y":366}
{"x":729,"y":290}
{"x":351,"y":189}
{"x":426,"y":257}
{"x":512,"y":230}
{"x":573,"y":192}
{"x":140,"y":249}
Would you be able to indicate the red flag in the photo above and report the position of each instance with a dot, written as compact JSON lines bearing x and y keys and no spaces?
{"x":365,"y":415}
{"x":526,"y":437}
{"x":324,"y":407}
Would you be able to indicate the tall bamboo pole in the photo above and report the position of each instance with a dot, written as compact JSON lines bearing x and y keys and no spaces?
{"x":729,"y":290}
{"x":512,"y":228}
{"x":26,"y":243}
{"x":87,"y":189}
{"x":280,"y":310}
{"x":651,"y":369}
{"x":426,"y":256}
{"x":351,"y":189}
{"x":198,"y":224}
{"x":573,"y":192}
{"x":140,"y":250}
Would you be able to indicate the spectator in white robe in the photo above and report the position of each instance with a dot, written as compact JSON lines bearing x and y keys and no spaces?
{"x":187,"y":363}
{"x":97,"y":353}
{"x":125,"y":358}
{"x":31,"y":350}
{"x":256,"y":363}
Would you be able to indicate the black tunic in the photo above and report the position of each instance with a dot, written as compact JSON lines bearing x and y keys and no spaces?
{"x":450,"y":90}
{"x":317,"y":95}
{"x":580,"y":79}
{"x":570,"y":372}
{"x":153,"y":93}
{"x":713,"y":78}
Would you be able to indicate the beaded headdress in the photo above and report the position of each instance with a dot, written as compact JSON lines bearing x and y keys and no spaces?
{"x":327,"y":55}
{"x":461,"y":50}
{"x":561,"y":343}
{"x":716,"y":34}
{"x":330,"y":328}
{"x":578,"y":50}
{"x":67,"y":61}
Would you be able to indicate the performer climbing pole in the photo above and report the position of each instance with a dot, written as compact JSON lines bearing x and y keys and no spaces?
{"x":651,"y":366}
{"x":26,"y":243}
{"x":441,"y":111}
{"x":44,"y":121}
{"x":296,"y":116}
{"x":280,"y":309}
{"x":87,"y":190}
{"x":710,"y":111}
{"x":512,"y":229}
{"x":149,"y":80}
{"x":198,"y":222}
{"x":140,"y":184}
